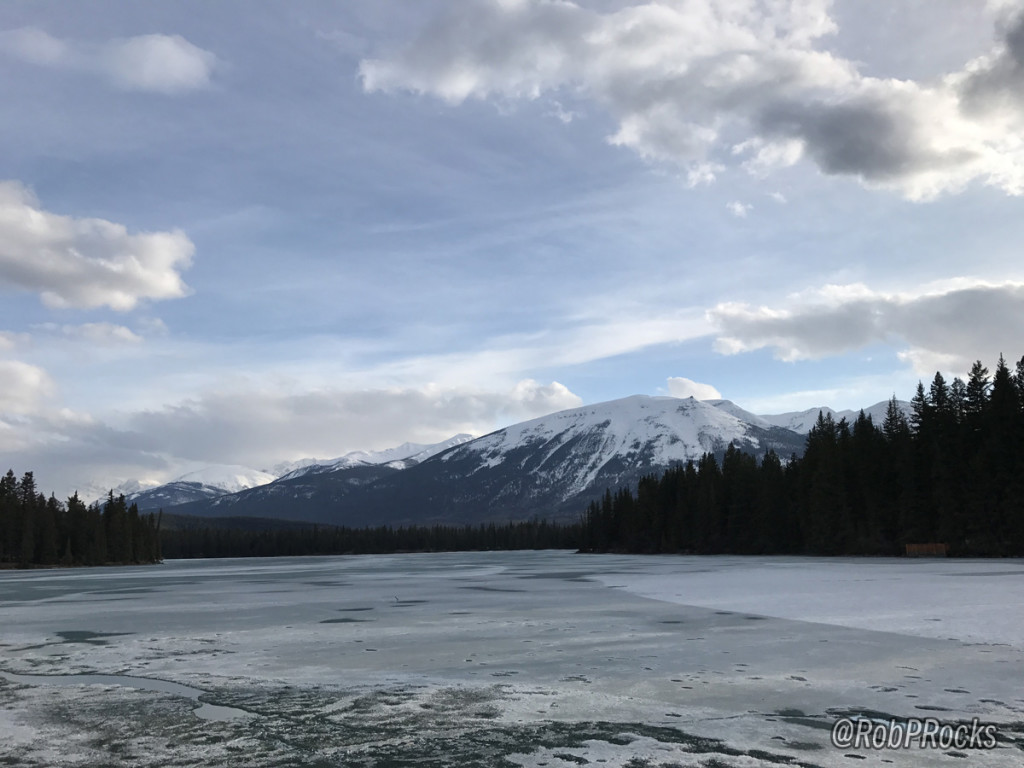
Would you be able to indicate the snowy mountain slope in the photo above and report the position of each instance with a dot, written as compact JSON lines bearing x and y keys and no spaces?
{"x":802,"y":421}
{"x":546,"y":467}
{"x":228,"y":481}
{"x":292,"y":498}
{"x":743,"y":415}
{"x":406,"y":453}
{"x":206,"y":483}
{"x":230,"y":478}
{"x":573,"y":448}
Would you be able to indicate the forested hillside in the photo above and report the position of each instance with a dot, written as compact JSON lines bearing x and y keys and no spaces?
{"x":36,"y":530}
{"x":953,"y":473}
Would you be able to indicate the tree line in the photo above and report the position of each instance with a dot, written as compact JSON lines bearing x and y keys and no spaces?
{"x":210,"y":541}
{"x":951,"y":474}
{"x":36,"y":530}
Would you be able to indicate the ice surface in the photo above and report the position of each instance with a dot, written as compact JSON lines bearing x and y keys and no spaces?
{"x":970,"y":601}
{"x":491,"y":659}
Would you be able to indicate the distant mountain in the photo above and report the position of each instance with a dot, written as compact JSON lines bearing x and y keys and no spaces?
{"x":403,"y":456}
{"x":207,"y":483}
{"x":802,"y":421}
{"x":221,"y":480}
{"x":546,"y":467}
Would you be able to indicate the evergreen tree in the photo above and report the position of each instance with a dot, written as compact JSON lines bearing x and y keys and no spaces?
{"x":895,"y":426}
{"x":920,"y":409}
{"x":977,"y":390}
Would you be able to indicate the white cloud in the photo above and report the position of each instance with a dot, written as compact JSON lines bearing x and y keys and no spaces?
{"x":738,"y":209}
{"x":945,"y":326}
{"x":161,"y":63}
{"x":22,"y":386}
{"x":529,"y":399}
{"x":104,"y":334}
{"x":563,"y":115}
{"x":166,"y":64}
{"x":86,"y":263}
{"x":679,"y":386}
{"x":693,"y":82}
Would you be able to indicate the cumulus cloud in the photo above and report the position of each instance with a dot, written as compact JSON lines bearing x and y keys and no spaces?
{"x":22,"y":386}
{"x":167,"y":64}
{"x":738,"y":209}
{"x":694,"y":83}
{"x":86,"y":263}
{"x":946,"y":327}
{"x":679,"y":386}
{"x":530,"y":398}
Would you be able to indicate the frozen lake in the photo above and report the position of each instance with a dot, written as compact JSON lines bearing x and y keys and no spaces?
{"x":505,"y":659}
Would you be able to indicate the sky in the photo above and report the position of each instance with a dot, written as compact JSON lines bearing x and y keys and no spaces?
{"x":249,"y":233}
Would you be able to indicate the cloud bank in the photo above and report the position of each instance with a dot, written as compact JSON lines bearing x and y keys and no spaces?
{"x":700,"y":84}
{"x":252,"y":428}
{"x":167,"y":64}
{"x":85,"y":263}
{"x":946,"y":327}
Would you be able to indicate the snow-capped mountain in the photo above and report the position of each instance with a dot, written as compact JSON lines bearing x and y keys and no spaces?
{"x":574,"y":449}
{"x":206,"y":483}
{"x":404,"y":455}
{"x":225,"y":479}
{"x":546,"y":467}
{"x":229,"y":478}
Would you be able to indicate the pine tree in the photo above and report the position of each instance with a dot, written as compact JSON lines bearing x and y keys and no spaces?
{"x":977,"y":390}
{"x":895,"y":425}
{"x":921,"y":410}
{"x":958,"y":399}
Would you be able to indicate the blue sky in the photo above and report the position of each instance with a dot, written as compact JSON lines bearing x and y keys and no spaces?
{"x":248,"y":233}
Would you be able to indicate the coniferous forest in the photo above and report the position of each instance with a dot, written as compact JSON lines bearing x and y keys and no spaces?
{"x":206,"y":541}
{"x":36,"y":530}
{"x":951,"y":474}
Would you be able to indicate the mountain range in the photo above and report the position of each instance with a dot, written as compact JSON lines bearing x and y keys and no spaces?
{"x":548,"y":467}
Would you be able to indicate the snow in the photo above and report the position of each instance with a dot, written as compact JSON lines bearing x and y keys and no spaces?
{"x":673,"y":429}
{"x":532,"y":658}
{"x":399,"y":457}
{"x":229,"y":478}
{"x":731,"y":408}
